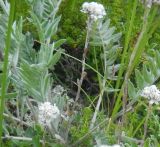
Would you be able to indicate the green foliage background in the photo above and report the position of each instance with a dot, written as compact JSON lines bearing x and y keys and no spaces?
{"x":72,"y":24}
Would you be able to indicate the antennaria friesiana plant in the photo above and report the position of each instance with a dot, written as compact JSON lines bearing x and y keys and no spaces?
{"x":55,"y":92}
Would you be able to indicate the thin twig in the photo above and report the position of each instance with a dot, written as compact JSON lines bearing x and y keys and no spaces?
{"x":16,"y":119}
{"x":149,"y":110}
{"x":19,"y":138}
{"x":24,"y":138}
{"x":97,"y":109}
{"x":27,"y":138}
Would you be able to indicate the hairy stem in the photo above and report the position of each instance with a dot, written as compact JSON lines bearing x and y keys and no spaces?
{"x":97,"y":109}
{"x":5,"y":66}
{"x":102,"y":87}
{"x":79,"y":82}
{"x":16,"y":119}
{"x":19,"y":138}
{"x":83,"y":73}
{"x":149,"y":110}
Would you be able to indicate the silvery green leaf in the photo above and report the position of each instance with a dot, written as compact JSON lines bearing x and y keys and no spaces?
{"x":55,"y":58}
{"x":148,"y":75}
{"x":58,"y":43}
{"x":5,"y":6}
{"x":51,"y":29}
{"x":131,"y":90}
{"x":139,"y":80}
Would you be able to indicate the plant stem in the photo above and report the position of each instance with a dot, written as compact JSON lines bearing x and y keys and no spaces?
{"x":102,"y":87}
{"x":5,"y":66}
{"x":97,"y":109}
{"x":17,"y":120}
{"x":19,"y":138}
{"x":83,"y":73}
{"x":149,"y":110}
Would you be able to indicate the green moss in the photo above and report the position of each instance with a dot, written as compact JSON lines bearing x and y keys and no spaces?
{"x":82,"y":127}
{"x":73,"y":22}
{"x":22,"y":9}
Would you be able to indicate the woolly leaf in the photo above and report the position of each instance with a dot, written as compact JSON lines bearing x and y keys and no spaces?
{"x":51,"y":29}
{"x":105,"y":37}
{"x":43,"y":17}
{"x":58,"y":43}
{"x":55,"y":58}
{"x":148,"y":75}
{"x":35,"y":20}
{"x":131,"y":90}
{"x":139,"y":79}
{"x":32,"y":78}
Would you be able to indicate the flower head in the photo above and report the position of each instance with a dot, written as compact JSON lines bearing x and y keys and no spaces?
{"x":94,"y":10}
{"x":58,"y":90}
{"x":47,"y":112}
{"x":149,"y":3}
{"x":151,"y":93}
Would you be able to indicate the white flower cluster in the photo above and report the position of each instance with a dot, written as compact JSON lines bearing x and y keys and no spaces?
{"x":149,"y":3}
{"x":94,"y":10}
{"x":58,"y":90}
{"x":47,"y":112}
{"x":152,"y":94}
